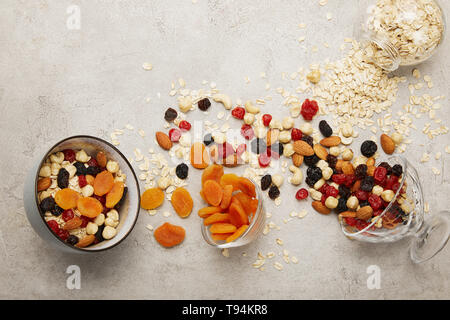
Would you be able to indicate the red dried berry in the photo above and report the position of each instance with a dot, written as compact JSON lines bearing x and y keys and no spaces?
{"x":238,"y":113}
{"x":82,"y":181}
{"x":264,"y":159}
{"x":390,"y":182}
{"x":63,"y":234}
{"x":339,"y":178}
{"x":86,"y":220}
{"x":361,"y":224}
{"x":349,"y":180}
{"x":323,"y":199}
{"x":375,"y":201}
{"x":323,"y":189}
{"x":379,"y":174}
{"x":53,"y":225}
{"x":247,"y":131}
{"x":350,"y":221}
{"x":331,"y":192}
{"x":296,"y":134}
{"x":174,"y":135}
{"x":309,"y":109}
{"x":69,"y":155}
{"x":92,"y":163}
{"x":266,"y":119}
{"x":67,"y":215}
{"x":395,"y":186}
{"x":301,"y":194}
{"x":184,"y":125}
{"x":241,"y":149}
{"x":376,"y":213}
{"x":362,"y":195}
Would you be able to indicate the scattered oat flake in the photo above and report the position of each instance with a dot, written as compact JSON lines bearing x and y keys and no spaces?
{"x":279,"y":241}
{"x":323,"y":2}
{"x":302,"y":213}
{"x":329,"y":16}
{"x":141,"y":133}
{"x":436,"y":171}
{"x":147,"y":66}
{"x":447,"y":149}
{"x":278,"y":266}
{"x":152,"y":212}
{"x":225,"y":252}
{"x":149,"y":227}
{"x":294,"y":260}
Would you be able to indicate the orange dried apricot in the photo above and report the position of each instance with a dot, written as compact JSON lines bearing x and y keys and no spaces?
{"x":237,"y":233}
{"x":222,"y":227}
{"x":169,"y":235}
{"x":212,"y":172}
{"x":250,"y":205}
{"x":238,"y":217}
{"x":246,"y":186}
{"x":89,"y":207}
{"x":67,"y":198}
{"x":230,"y":178}
{"x":202,"y":195}
{"x":113,"y":197}
{"x":103,"y":183}
{"x":207,"y":211}
{"x":182,"y":202}
{"x":90,"y":179}
{"x":220,"y":236}
{"x":199,"y":155}
{"x":226,"y":198}
{"x":216,"y":217}
{"x":213,"y":192}
{"x":152,"y":198}
{"x":101,"y":159}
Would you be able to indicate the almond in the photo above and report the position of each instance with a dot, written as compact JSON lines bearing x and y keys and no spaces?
{"x":339,"y":164}
{"x":387,"y":144}
{"x":163,"y":140}
{"x":320,"y":208}
{"x":347,"y":168}
{"x":302,"y":148}
{"x":272,"y":136}
{"x":85,"y":241}
{"x":297,"y":159}
{"x":101,"y":159}
{"x":43,"y":184}
{"x":348,"y":214}
{"x":73,"y":223}
{"x":364,"y":213}
{"x":320,"y":151}
{"x":332,"y":141}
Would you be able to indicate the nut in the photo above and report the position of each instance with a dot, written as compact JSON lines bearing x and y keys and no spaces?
{"x":387,"y":195}
{"x":319,"y":184}
{"x":331,"y":141}
{"x":297,"y":159}
{"x":85,"y":241}
{"x":164,"y":182}
{"x":223,"y":99}
{"x":112,"y":166}
{"x":87,"y":190}
{"x":352,"y":203}
{"x":331,"y":202}
{"x":185,"y":103}
{"x":186,"y":139}
{"x":320,"y":208}
{"x":100,"y":219}
{"x":260,"y":132}
{"x":57,"y":157}
{"x":335,"y":151}
{"x":387,"y":144}
{"x":44,"y":184}
{"x":315,"y":195}
{"x":250,"y":107}
{"x":347,"y":168}
{"x":71,"y":169}
{"x":364,"y":213}
{"x":306,"y":128}
{"x":109,"y":232}
{"x":302,"y":148}
{"x":288,"y":150}
{"x":322,"y":164}
{"x":327,"y":173}
{"x":55,"y":168}
{"x":82,"y":156}
{"x":320,"y":151}
{"x":295,"y":110}
{"x":397,"y":138}
{"x":347,"y":130}
{"x":249,"y":118}
{"x":91,"y":228}
{"x":277,"y":179}
{"x":297,"y":176}
{"x":45,"y":171}
{"x":163,"y":140}
{"x":272,"y":136}
{"x":287,"y":123}
{"x":377,"y":190}
{"x":313,"y":76}
{"x":284,"y":137}
{"x":347,"y":154}
{"x":275,"y":124}
{"x":348,"y":214}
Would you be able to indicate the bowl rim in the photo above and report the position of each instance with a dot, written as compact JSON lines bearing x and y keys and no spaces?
{"x":126,"y":161}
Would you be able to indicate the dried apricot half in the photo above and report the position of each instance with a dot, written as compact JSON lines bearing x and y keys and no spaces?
{"x":89,"y":207}
{"x":237,"y":233}
{"x":113,"y":197}
{"x":213,"y":192}
{"x":230,"y":178}
{"x":207,"y":211}
{"x":182,"y":202}
{"x":238,"y":217}
{"x":67,"y":198}
{"x":216,"y":217}
{"x":103,"y":183}
{"x":152,"y":198}
{"x":222,"y":227}
{"x":246,"y":186}
{"x":226,"y":198}
{"x":169,"y":235}
{"x":212,"y":172}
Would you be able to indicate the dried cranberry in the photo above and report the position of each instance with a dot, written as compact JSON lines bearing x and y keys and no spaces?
{"x":86,"y":220}
{"x":238,"y":113}
{"x":67,"y":215}
{"x":174,"y":135}
{"x":379,"y":174}
{"x":325,"y":128}
{"x":376,"y":213}
{"x":323,"y":199}
{"x":69,"y":155}
{"x":247,"y":131}
{"x":63,"y":234}
{"x":349,"y":180}
{"x":390,"y":182}
{"x":309,"y":109}
{"x":301,"y":194}
{"x":92,"y":163}
{"x":204,"y":104}
{"x":368,"y":148}
{"x":266,"y":119}
{"x":360,"y":224}
{"x":82,"y":181}
{"x":331,"y":192}
{"x":375,"y":201}
{"x":395,"y":186}
{"x":362,"y":195}
{"x":241,"y":149}
{"x":386,"y":166}
{"x":350,"y":221}
{"x":184,"y":125}
{"x":323,"y":189}
{"x":266,"y":182}
{"x":264,"y":159}
{"x":170,"y":114}
{"x":339,"y":178}
{"x":361,"y":171}
{"x":53,"y":225}
{"x":296,"y":134}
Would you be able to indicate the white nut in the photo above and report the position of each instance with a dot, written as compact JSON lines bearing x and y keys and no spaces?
{"x":331,"y":202}
{"x":359,"y":160}
{"x":82,"y":156}
{"x":111,"y":223}
{"x":297,"y":175}
{"x":249,"y":118}
{"x":347,"y":155}
{"x":295,"y":110}
{"x":113,"y":214}
{"x":44,"y":194}
{"x":352,"y":203}
{"x":407,"y":207}
{"x":55,"y":168}
{"x":164,"y":182}
{"x":335,"y":151}
{"x":346,"y":141}
{"x":100,"y":219}
{"x":387,"y":195}
{"x":275,"y":124}
{"x":397,"y":138}
{"x":334,"y":185}
{"x":91,"y":228}
{"x":250,"y":107}
{"x":71,"y":169}
{"x":319,"y":184}
{"x":288,"y":150}
{"x":327,"y":173}
{"x":314,"y":76}
{"x":45,"y":171}
{"x":87,"y":190}
{"x":315,"y":195}
{"x":112,"y":166}
{"x":260,"y":131}
{"x":57,"y":157}
{"x":306,"y":128}
{"x":185,"y":140}
{"x":109,"y":232}
{"x":378,"y":190}
{"x":287,"y":123}
{"x":185,"y":103}
{"x":120,"y":178}
{"x":223,"y":99}
{"x":284,"y":137}
{"x":277,"y":179}
{"x":347,"y":130}
{"x":322,"y":164}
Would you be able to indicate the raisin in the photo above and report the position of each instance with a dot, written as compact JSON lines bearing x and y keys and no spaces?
{"x":315,"y":173}
{"x":63,"y":178}
{"x":344,"y":192}
{"x":311,"y":160}
{"x":361,"y":171}
{"x":47,"y":204}
{"x":121,"y":201}
{"x":266,"y":181}
{"x":182,"y":171}
{"x":98,"y":234}
{"x":208,"y":139}
{"x":325,"y":128}
{"x":258,"y":146}
{"x":72,"y":240}
{"x":277,"y":147}
{"x":93,"y":171}
{"x":364,"y":203}
{"x":342,"y":205}
{"x":397,"y":170}
{"x":387,"y":167}
{"x":310,"y":182}
{"x":170,"y":115}
{"x":368,"y":148}
{"x":204,"y":104}
{"x":332,"y":161}
{"x":57,"y":211}
{"x":274,"y":192}
{"x":81,"y":168}
{"x":308,"y":139}
{"x":367,"y":184}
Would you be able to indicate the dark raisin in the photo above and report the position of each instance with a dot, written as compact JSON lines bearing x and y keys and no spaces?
{"x":332,"y":160}
{"x":72,"y":240}
{"x":344,"y":192}
{"x":387,"y":167}
{"x":311,"y":160}
{"x":315,"y":173}
{"x":47,"y":204}
{"x":368,"y":148}
{"x":325,"y":128}
{"x":364,"y":203}
{"x":258,"y":145}
{"x":266,"y":181}
{"x":310,"y":182}
{"x":81,"y":168}
{"x":182,"y":171}
{"x":208,"y":139}
{"x":308,"y":139}
{"x":57,"y":211}
{"x":204,"y":104}
{"x":342,"y":205}
{"x":98,"y":234}
{"x":122,"y":200}
{"x":170,"y":115}
{"x":361,"y":171}
{"x":63,"y":178}
{"x":274,"y":192}
{"x":93,"y":171}
{"x":277,"y":147}
{"x":367,"y":184}
{"x":397,"y":170}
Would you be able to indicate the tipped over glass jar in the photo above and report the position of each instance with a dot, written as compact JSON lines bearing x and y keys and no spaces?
{"x":397,"y":33}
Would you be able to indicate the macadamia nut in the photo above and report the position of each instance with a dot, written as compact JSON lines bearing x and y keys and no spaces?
{"x":352,"y":203}
{"x":82,"y":156}
{"x":45,"y":171}
{"x":387,"y":195}
{"x":306,"y":128}
{"x":109,"y":232}
{"x":87,"y":190}
{"x":112,"y":166}
{"x":91,"y":228}
{"x":331,"y":202}
{"x":57,"y":157}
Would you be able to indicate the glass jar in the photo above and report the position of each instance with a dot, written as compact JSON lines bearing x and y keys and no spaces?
{"x":397,"y":33}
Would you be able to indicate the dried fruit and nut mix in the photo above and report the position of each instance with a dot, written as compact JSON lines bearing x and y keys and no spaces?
{"x":79,"y":196}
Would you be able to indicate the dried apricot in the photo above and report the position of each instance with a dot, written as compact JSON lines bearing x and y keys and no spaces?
{"x":89,"y":207}
{"x":230,"y":178}
{"x":199,"y":155}
{"x":226,"y":198}
{"x":113,"y":197}
{"x":213,"y":192}
{"x":222,"y":227}
{"x":212,"y":172}
{"x":101,"y":159}
{"x":169,"y":235}
{"x":238,"y":217}
{"x":220,"y":236}
{"x":182,"y":202}
{"x":246,"y":186}
{"x":207,"y":211}
{"x":152,"y":198}
{"x":237,"y":233}
{"x":103,"y":183}
{"x":250,"y":205}
{"x":67,"y":198}
{"x":216,"y":217}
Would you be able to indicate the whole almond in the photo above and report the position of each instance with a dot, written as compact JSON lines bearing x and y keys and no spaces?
{"x":320,"y":151}
{"x":387,"y":144}
{"x":43,"y":184}
{"x":348,"y":214}
{"x":320,"y":207}
{"x":163,"y":140}
{"x":101,"y":159}
{"x":339,"y":164}
{"x":302,"y":148}
{"x":332,"y":141}
{"x":73,"y":223}
{"x":272,"y":136}
{"x":85,"y":241}
{"x":364,"y":213}
{"x":297,"y":159}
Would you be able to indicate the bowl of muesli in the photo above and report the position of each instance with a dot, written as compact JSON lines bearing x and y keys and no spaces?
{"x":82,"y":195}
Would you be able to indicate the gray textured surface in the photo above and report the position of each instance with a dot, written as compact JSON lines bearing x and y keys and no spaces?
{"x":56,"y":82}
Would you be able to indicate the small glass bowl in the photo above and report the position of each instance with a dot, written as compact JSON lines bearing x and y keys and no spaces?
{"x":429,"y":235}
{"x":257,"y":224}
